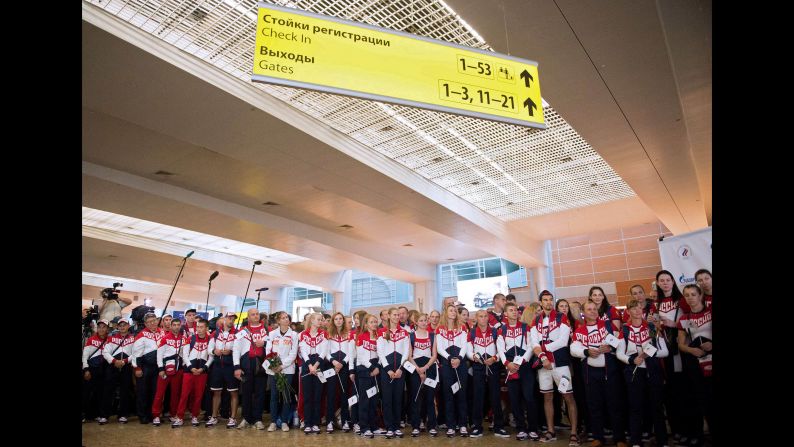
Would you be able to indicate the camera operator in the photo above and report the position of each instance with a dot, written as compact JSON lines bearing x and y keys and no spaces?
{"x":112,"y":303}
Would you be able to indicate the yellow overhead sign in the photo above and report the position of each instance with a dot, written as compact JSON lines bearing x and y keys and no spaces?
{"x":306,"y":50}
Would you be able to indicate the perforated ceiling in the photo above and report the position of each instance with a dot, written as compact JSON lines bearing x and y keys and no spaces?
{"x":508,"y":171}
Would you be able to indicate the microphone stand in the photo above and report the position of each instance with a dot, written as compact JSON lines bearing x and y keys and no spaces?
{"x":237,"y":326}
{"x":209,"y":286}
{"x":178,"y":275}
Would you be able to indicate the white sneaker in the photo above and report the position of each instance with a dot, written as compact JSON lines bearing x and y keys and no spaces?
{"x":329,"y":428}
{"x":231,"y":423}
{"x":284,"y":427}
{"x":356,"y":428}
{"x":463,"y":431}
{"x":379,"y":432}
{"x":194,"y":421}
{"x":450,"y":432}
{"x":176,"y":423}
{"x":102,"y":421}
{"x":296,"y":421}
{"x":259,"y":425}
{"x":211,"y":422}
{"x":421,"y":426}
{"x":243,"y":424}
{"x":122,"y":420}
{"x":303,"y":424}
{"x":271,"y":427}
{"x":156,"y":422}
{"x":315,"y":429}
{"x":346,"y":427}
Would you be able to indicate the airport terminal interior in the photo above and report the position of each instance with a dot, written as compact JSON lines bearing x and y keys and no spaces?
{"x":204,"y":188}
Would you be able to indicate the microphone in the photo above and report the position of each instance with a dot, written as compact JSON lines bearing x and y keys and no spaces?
{"x":262,"y":289}
{"x":189,"y":254}
{"x":213,"y":276}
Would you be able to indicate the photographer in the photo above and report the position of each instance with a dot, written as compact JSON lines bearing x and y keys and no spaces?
{"x":112,"y":303}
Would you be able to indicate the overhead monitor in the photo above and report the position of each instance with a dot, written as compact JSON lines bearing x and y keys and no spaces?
{"x":478,"y":294}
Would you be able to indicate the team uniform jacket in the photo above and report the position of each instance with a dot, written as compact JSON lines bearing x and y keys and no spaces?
{"x":588,"y":336}
{"x":367,"y":351}
{"x":309,"y":346}
{"x":170,"y":348}
{"x":286,"y":346}
{"x":223,"y":340}
{"x":637,"y":339}
{"x":92,"y":351}
{"x":340,"y":348}
{"x":496,"y":320}
{"x":482,"y":344}
{"x":551,"y":332}
{"x":451,"y":343}
{"x":196,"y":353}
{"x":610,"y":314}
{"x":244,"y":343}
{"x":144,"y":349}
{"x":393,"y":352}
{"x":697,"y":324}
{"x":119,"y":347}
{"x":512,"y":342}
{"x":189,"y":331}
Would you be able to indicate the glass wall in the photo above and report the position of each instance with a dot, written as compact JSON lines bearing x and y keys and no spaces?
{"x":373,"y":290}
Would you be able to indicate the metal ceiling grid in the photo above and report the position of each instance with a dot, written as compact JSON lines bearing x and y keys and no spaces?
{"x":537,"y":172}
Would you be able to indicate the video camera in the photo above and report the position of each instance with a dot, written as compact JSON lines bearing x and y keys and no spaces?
{"x":112,"y":293}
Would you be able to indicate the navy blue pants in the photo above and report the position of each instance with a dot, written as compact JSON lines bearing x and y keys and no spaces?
{"x":455,"y":404}
{"x":424,"y":404}
{"x":93,"y":391}
{"x":392,"y":395}
{"x":366,"y":405}
{"x":333,"y":387}
{"x":280,"y":408}
{"x":145,"y":388}
{"x":312,"y":396}
{"x":643,"y":387}
{"x":603,"y":391}
{"x":121,"y":378}
{"x":486,"y":379}
{"x":252,"y":391}
{"x":522,"y":395}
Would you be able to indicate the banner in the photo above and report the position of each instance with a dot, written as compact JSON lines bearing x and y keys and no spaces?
{"x":685,"y":254}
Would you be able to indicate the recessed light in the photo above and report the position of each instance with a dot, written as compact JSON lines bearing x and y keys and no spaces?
{"x":567,"y":160}
{"x":408,"y":245}
{"x":164,"y":173}
{"x":509,"y":203}
{"x":387,"y":128}
{"x":475,"y":183}
{"x":269,"y":203}
{"x":346,"y":226}
{"x":450,"y":259}
{"x":437,"y":159}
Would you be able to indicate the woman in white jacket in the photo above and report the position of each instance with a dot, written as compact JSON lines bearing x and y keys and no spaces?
{"x":282,"y":341}
{"x":641,"y":348}
{"x":452,"y":345}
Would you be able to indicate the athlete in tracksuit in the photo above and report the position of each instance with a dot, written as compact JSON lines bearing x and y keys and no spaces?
{"x":486,"y":367}
{"x":550,"y":334}
{"x":94,"y":373}
{"x":340,"y":357}
{"x":144,"y":363}
{"x":313,"y":349}
{"x":117,"y":353}
{"x":695,"y":344}
{"x":601,"y":374}
{"x":196,"y":360}
{"x":222,"y":369}
{"x":169,"y":363}
{"x":643,"y":372}
{"x":393,"y":344}
{"x":284,"y":342}
{"x":452,"y":345}
{"x":421,"y":395}
{"x":367,"y":370}
{"x":248,"y":355}
{"x":513,"y":347}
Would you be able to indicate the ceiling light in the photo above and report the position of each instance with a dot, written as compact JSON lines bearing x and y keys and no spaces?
{"x":408,"y":245}
{"x":269,"y":203}
{"x":346,"y":226}
{"x":164,"y":173}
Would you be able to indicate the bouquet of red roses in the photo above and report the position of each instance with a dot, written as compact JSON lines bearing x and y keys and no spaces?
{"x":283,"y":387}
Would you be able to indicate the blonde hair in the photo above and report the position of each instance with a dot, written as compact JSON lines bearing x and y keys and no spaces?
{"x":366,"y":321}
{"x":529,"y":312}
{"x":445,"y":320}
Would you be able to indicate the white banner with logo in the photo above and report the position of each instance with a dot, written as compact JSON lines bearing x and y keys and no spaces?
{"x":685,"y":254}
